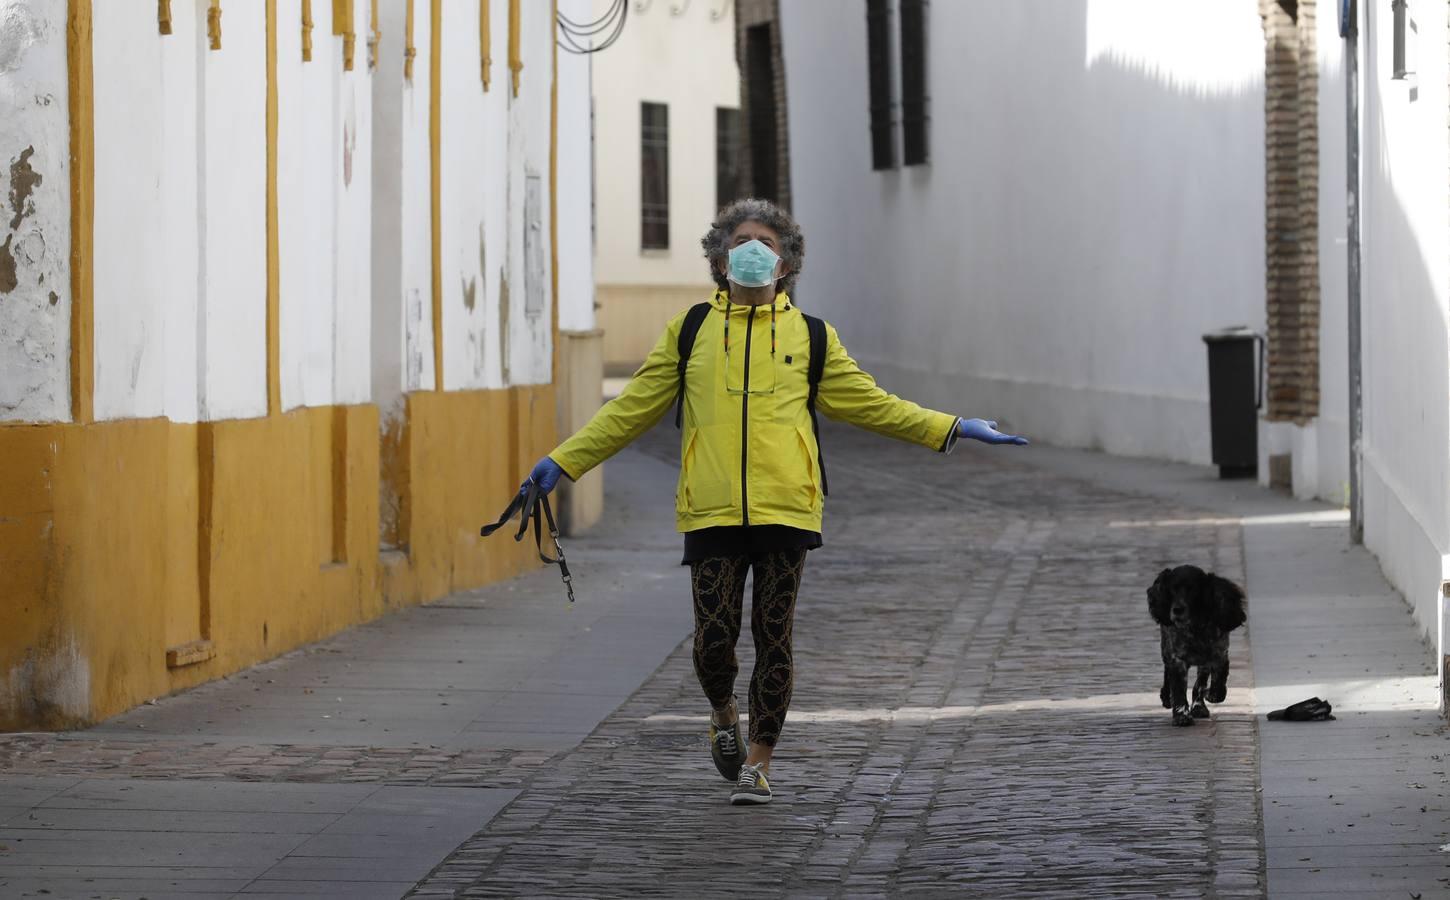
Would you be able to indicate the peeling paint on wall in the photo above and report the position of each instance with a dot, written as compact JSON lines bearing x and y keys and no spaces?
{"x":34,"y":215}
{"x":18,"y":32}
{"x":503,"y":324}
{"x":349,"y":143}
{"x":470,"y":293}
{"x":8,"y":277}
{"x":23,"y":181}
{"x":419,"y":344}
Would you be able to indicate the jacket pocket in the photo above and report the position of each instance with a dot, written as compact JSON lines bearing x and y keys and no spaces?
{"x":687,"y":462}
{"x":781,"y":480}
{"x":704,"y":486}
{"x":806,"y":442}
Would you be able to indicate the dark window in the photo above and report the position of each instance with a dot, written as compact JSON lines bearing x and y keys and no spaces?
{"x":760,"y":95}
{"x":727,"y":155}
{"x":1291,"y":7}
{"x":914,"y":99}
{"x":878,"y":61}
{"x":654,"y":176}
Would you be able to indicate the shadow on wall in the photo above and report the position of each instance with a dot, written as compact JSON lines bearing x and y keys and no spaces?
{"x":1084,"y":222}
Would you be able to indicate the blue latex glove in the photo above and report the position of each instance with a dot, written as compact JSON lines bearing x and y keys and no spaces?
{"x":986,"y":432}
{"x":545,"y":474}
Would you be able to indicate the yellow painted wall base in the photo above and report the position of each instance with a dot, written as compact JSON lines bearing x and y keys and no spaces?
{"x":633,"y":316}
{"x":122,"y":540}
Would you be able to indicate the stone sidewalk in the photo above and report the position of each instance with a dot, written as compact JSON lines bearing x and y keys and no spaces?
{"x":975,"y":714}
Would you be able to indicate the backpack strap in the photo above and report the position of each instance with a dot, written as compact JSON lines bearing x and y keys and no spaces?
{"x":816,"y":329}
{"x":686,"y":344}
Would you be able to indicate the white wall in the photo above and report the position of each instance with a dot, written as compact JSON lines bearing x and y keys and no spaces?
{"x":530,"y":327}
{"x":352,"y":126}
{"x":35,"y":251}
{"x":149,"y":218}
{"x":491,"y":143}
{"x":1405,"y":283}
{"x":1094,"y":204}
{"x":1319,"y":448}
{"x":474,"y":239}
{"x":132,"y":165}
{"x":576,"y":242}
{"x":232,"y":354}
{"x":1324,"y":449}
{"x":324,"y":169}
{"x":402,"y":276}
{"x":686,"y":61}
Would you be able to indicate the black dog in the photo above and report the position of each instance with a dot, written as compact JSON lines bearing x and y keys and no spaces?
{"x":1195,"y":610}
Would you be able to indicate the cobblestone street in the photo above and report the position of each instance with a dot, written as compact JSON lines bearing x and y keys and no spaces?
{"x":975,"y":714}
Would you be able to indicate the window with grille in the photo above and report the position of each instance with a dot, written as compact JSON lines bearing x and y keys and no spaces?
{"x":878,"y":60}
{"x":760,"y":95}
{"x":914,"y":98}
{"x":654,"y":165}
{"x":727,"y":155}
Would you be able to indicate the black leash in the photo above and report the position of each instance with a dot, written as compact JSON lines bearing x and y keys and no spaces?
{"x":528,"y":502}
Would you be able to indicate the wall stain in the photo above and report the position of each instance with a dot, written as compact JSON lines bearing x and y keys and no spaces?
{"x":23,"y":180}
{"x":470,"y":293}
{"x":503,"y":325}
{"x":8,"y":276}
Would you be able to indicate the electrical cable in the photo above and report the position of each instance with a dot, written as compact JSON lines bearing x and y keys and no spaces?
{"x":569,"y":34}
{"x":598,"y":25}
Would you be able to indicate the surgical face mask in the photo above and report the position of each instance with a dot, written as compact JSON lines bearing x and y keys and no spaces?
{"x":752,"y":264}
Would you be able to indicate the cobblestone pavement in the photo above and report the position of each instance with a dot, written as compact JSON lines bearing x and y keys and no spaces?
{"x":975,"y":714}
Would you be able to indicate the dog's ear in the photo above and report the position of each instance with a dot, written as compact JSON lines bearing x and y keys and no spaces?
{"x":1226,"y":602}
{"x":1158,"y":598}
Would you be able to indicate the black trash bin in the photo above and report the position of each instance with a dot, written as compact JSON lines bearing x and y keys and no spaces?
{"x":1234,"y":401}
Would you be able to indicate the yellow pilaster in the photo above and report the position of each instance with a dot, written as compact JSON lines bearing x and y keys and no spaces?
{"x":410,"y":52}
{"x":435,"y":146}
{"x":516,"y":59}
{"x":82,"y":95}
{"x":485,"y":43}
{"x":343,"y":24}
{"x":375,"y":37}
{"x":307,"y":24}
{"x":274,"y":278}
{"x":214,"y":24}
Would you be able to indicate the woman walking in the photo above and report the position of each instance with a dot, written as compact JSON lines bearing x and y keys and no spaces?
{"x":751,"y":488}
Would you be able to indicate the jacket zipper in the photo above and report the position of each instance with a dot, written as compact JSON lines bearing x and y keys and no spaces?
{"x":745,"y":424}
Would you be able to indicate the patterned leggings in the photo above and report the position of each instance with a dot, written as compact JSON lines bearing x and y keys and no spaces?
{"x":718,"y":585}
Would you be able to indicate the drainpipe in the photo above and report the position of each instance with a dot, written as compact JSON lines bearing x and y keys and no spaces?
{"x":1348,"y":29}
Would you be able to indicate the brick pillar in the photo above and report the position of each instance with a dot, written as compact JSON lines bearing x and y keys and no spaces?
{"x":1291,"y":218}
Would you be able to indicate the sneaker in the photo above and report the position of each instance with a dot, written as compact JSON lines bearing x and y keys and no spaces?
{"x":726,"y":749}
{"x":751,"y":786}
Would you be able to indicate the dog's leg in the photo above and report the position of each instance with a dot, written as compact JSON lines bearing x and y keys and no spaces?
{"x":1218,"y":688}
{"x":1178,"y":691}
{"x":1165,"y":694}
{"x":1200,"y":685}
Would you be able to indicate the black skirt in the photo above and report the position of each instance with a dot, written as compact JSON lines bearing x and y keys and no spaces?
{"x":746,"y":540}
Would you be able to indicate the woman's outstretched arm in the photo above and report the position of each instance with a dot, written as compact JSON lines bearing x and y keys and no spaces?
{"x":641,"y":404}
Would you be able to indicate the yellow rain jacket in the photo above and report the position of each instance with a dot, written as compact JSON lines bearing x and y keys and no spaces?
{"x":747,"y":452}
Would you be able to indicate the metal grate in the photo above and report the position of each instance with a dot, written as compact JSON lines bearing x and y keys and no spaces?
{"x":727,"y":155}
{"x":761,"y":97}
{"x":914,"y":99}
{"x":878,"y":61}
{"x":654,"y":176}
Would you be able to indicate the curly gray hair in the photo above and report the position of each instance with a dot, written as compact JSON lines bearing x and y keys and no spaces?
{"x":752,"y":209}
